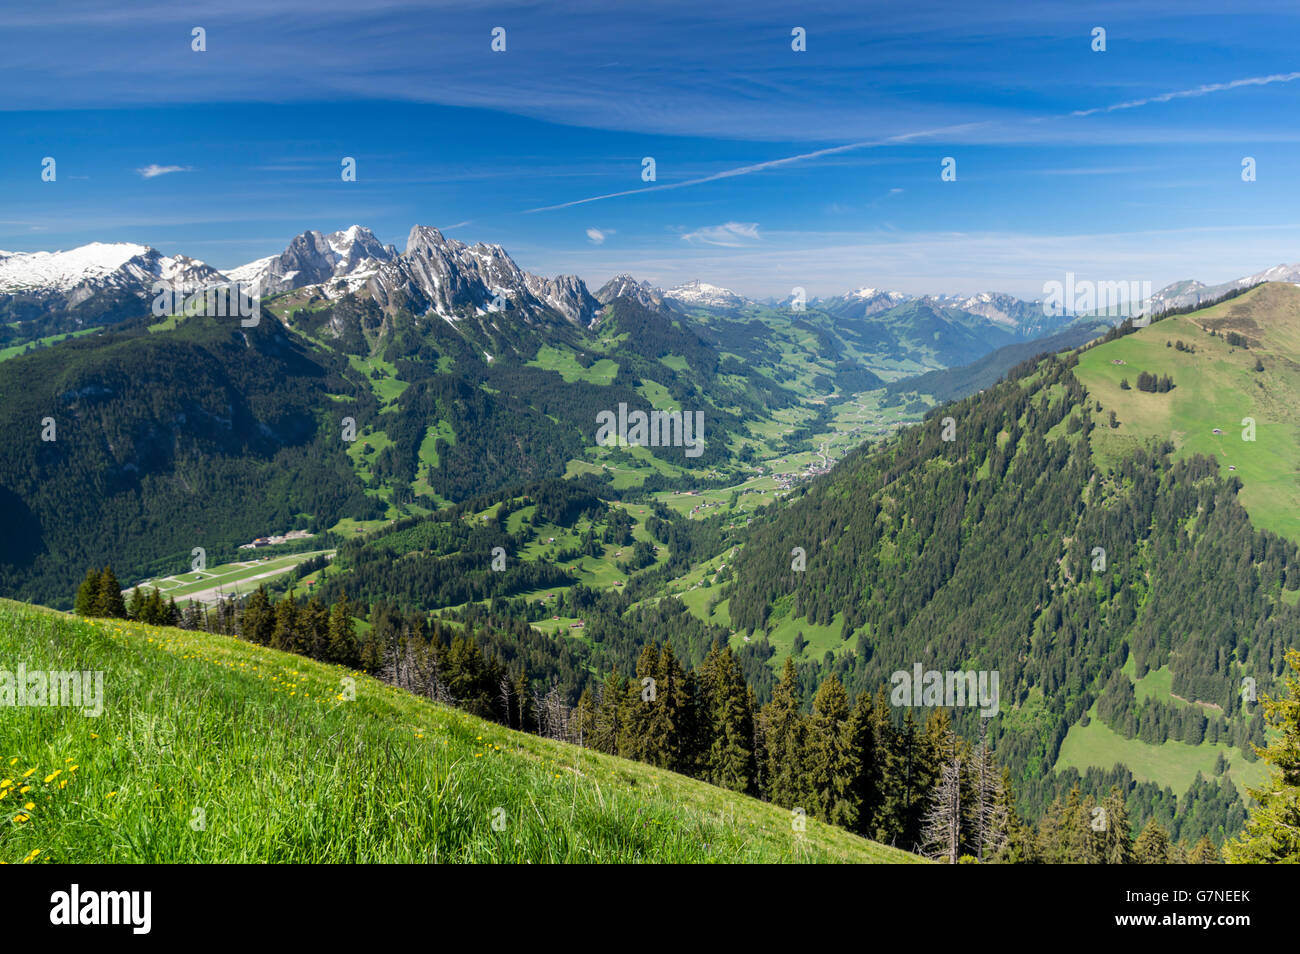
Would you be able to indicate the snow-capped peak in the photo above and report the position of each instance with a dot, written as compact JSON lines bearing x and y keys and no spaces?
{"x":702,"y":293}
{"x":65,"y":270}
{"x":868,"y":293}
{"x":353,"y":255}
{"x":83,"y":271}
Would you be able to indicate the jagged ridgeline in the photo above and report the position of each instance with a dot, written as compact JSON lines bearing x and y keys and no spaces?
{"x":1007,"y":549}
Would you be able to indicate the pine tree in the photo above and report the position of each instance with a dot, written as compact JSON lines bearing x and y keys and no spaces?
{"x":1078,"y":841}
{"x":1152,"y":846}
{"x":903,"y":797}
{"x":342,"y":639}
{"x":315,"y":629}
{"x":1019,"y":847}
{"x":1272,"y":833}
{"x":693,"y":729}
{"x":152,"y":610}
{"x":783,"y":736}
{"x":860,"y":741}
{"x":1204,"y":853}
{"x":828,"y":763}
{"x":1117,"y":835}
{"x":108,"y":597}
{"x":87,"y":594}
{"x":136,"y":604}
{"x":642,"y":694}
{"x":1050,"y":844}
{"x":670,"y":722}
{"x":370,"y":655}
{"x":257,"y":622}
{"x":728,"y":721}
{"x":609,"y":704}
{"x":1088,"y":829}
{"x":284,"y":635}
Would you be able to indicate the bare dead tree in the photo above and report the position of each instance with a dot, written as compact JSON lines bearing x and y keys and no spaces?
{"x":391,"y":670}
{"x":989,"y":817}
{"x":432,"y":684}
{"x":552,"y":714}
{"x":506,"y":693}
{"x":941,"y":836}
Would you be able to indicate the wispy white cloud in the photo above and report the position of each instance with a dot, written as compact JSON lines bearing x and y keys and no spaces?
{"x":728,"y":235}
{"x":1203,"y":90}
{"x":598,"y":236}
{"x":765,"y":165}
{"x":153,"y":170}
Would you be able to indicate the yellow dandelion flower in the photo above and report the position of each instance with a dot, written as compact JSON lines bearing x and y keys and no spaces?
{"x":53,"y":775}
{"x":21,"y":818}
{"x":24,"y":790}
{"x":110,"y":794}
{"x":29,"y":806}
{"x":30,"y":772}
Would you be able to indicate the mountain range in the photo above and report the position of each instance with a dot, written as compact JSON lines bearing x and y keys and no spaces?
{"x":49,"y":293}
{"x":435,"y":274}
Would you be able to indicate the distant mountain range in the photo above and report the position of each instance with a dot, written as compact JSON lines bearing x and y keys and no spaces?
{"x":1189,"y":293}
{"x":435,"y":275}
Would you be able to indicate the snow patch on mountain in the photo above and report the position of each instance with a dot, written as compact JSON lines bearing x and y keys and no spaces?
{"x":702,"y":293}
{"x":1188,"y":292}
{"x":119,"y":264}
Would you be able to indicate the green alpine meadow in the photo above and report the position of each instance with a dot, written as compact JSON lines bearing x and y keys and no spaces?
{"x":212,"y":750}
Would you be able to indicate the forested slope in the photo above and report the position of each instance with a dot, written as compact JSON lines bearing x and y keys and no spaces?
{"x":1007,"y":549}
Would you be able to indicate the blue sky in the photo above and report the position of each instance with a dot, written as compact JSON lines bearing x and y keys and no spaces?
{"x":775,"y":168}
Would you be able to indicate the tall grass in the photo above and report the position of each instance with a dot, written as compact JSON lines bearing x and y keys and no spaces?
{"x":214,"y":750}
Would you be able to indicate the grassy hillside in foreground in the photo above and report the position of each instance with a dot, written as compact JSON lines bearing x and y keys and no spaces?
{"x":214,"y":750}
{"x":1216,"y":386}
